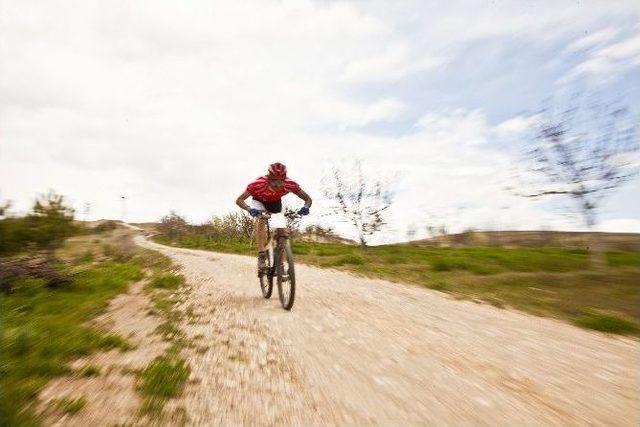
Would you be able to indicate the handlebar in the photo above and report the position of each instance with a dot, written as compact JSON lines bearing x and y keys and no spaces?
{"x":290,"y":215}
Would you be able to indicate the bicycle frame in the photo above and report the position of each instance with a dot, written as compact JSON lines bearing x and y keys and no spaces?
{"x":280,"y":262}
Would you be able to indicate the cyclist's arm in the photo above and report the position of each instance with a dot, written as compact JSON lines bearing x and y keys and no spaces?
{"x":240,"y":201}
{"x":304,"y":196}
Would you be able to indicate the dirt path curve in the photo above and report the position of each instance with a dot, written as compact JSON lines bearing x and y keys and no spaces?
{"x":357,"y":350}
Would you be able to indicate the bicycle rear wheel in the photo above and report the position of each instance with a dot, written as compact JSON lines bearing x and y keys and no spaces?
{"x":285,"y":273}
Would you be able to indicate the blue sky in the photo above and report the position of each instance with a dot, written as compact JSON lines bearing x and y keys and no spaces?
{"x":178,"y":106}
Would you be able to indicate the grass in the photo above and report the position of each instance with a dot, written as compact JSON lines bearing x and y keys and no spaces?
{"x":201,"y":242}
{"x":607,"y":323}
{"x":89,"y":371}
{"x":545,"y":281}
{"x":165,"y":376}
{"x":623,"y":259}
{"x":70,"y":406}
{"x":44,"y":328}
{"x":86,"y":258}
{"x":165,"y":280}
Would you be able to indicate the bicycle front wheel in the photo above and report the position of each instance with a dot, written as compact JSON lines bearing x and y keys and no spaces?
{"x":286,"y":276}
{"x":265,"y":274}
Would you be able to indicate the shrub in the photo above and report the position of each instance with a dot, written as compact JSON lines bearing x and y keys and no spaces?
{"x":33,"y":266}
{"x":105,"y":226}
{"x":48,"y":224}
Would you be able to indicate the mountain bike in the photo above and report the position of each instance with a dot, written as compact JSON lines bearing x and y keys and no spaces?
{"x":279,"y":265}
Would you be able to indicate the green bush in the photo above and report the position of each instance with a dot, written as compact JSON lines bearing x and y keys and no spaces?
{"x":48,"y":224}
{"x":105,"y":226}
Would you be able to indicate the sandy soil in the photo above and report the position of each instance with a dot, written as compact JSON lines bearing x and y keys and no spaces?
{"x":362,"y":351}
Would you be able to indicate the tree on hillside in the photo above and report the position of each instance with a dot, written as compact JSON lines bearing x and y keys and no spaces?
{"x":45,"y":227}
{"x":583,"y":152}
{"x":361,"y":200}
{"x":50,"y":221}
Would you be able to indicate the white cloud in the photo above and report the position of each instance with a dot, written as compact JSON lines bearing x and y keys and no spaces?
{"x":609,"y":61}
{"x":463,"y":127}
{"x":514,"y":126}
{"x":596,"y":39}
{"x":178,"y":105}
{"x":395,"y":63}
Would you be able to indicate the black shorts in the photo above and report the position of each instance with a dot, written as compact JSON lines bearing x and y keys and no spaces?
{"x":271,"y":207}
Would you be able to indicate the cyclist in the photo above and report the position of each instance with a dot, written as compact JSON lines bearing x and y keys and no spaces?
{"x":266,"y":196}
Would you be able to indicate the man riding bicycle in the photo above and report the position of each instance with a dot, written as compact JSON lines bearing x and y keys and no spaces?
{"x":266,"y":196}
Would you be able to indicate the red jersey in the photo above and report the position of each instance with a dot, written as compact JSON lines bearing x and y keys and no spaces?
{"x":259,"y":189}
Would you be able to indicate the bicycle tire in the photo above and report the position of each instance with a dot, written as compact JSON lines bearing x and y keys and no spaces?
{"x":287,"y":278}
{"x":266,"y":280}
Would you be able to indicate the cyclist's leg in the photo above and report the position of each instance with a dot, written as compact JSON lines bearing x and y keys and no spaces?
{"x":261,"y":227}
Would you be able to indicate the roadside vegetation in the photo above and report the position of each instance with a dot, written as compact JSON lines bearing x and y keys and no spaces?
{"x":56,"y":275}
{"x":546,"y":280}
{"x":164,"y":378}
{"x":55,"y":278}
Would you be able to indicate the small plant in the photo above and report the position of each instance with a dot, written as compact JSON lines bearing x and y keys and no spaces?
{"x":168,"y":330}
{"x":162,"y":379}
{"x":167,"y":281}
{"x":440,"y":285}
{"x":89,"y":371}
{"x":86,"y":258}
{"x":71,"y":406}
{"x":108,"y":250}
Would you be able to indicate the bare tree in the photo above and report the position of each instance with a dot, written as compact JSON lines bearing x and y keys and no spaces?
{"x":361,"y":200}
{"x":582,"y":152}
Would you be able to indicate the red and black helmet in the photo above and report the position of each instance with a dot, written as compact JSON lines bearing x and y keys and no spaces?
{"x":277,"y":171}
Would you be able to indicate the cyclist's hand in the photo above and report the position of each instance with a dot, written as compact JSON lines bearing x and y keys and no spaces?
{"x":254,"y":212}
{"x":303,"y":211}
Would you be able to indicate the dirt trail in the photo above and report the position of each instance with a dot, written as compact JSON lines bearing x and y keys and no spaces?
{"x":357,"y":350}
